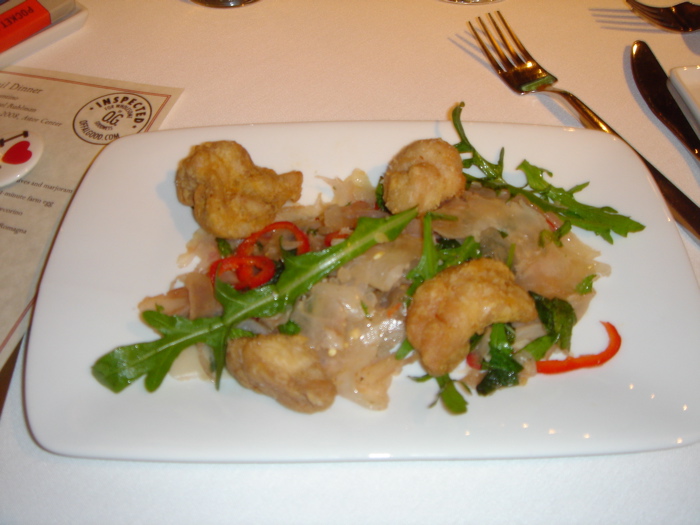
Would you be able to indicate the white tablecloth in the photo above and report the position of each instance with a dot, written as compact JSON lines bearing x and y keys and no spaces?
{"x":333,"y":60}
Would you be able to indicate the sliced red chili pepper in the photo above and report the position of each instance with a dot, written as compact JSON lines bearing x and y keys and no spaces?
{"x":474,"y":361}
{"x":552,"y":221}
{"x":254,"y":275}
{"x":556,"y":366}
{"x":251,"y":270}
{"x":247,"y":247}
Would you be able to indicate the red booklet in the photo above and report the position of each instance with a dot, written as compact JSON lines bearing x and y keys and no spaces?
{"x":20,"y":19}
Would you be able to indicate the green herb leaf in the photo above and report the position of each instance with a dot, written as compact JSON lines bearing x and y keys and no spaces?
{"x":556,"y":235}
{"x":452,"y":400}
{"x":557,"y":317}
{"x":224,"y":247}
{"x":404,"y":350}
{"x":458,"y":253}
{"x":427,"y":266}
{"x":586,"y":285}
{"x":502,"y":368}
{"x":123,"y":365}
{"x":538,"y":347}
{"x":503,"y":372}
{"x":603,"y":221}
{"x":379,"y":195}
{"x":435,"y":258}
{"x":289,"y":328}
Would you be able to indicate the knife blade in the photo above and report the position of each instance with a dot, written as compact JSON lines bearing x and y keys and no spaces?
{"x":6,"y":376}
{"x":652,"y":82}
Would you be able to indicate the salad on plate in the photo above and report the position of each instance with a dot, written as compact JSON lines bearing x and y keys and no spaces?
{"x":445,"y":262}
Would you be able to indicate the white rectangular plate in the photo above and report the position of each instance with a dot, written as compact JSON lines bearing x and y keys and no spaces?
{"x":684,"y":84}
{"x":124,"y":231}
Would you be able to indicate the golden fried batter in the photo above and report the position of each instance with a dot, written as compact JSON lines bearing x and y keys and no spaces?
{"x":424,"y":174}
{"x":282,"y":367}
{"x":458,"y":303}
{"x":231,"y":196}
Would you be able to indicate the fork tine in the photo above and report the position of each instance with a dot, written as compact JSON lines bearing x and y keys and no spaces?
{"x":494,"y":63}
{"x":516,"y":67}
{"x":643,"y":7}
{"x":523,"y":51}
{"x":514,"y":58}
{"x":647,"y":11}
{"x":653,"y":18}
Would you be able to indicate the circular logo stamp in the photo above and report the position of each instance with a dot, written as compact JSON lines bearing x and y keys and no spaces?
{"x":109,"y":117}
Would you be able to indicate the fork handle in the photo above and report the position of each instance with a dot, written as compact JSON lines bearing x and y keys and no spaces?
{"x":683,"y":209}
{"x":586,"y":115}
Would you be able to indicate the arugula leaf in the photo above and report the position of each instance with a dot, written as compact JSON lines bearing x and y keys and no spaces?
{"x":119,"y":368}
{"x":556,"y":235}
{"x":124,"y":365}
{"x":427,"y":266}
{"x":603,"y":221}
{"x":435,"y":258}
{"x":458,"y":253}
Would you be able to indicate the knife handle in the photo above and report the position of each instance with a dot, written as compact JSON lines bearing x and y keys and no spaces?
{"x":683,"y":209}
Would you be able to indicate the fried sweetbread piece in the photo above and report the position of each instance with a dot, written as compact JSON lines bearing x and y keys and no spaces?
{"x":459,"y":302}
{"x":231,"y":197}
{"x":283,"y":367}
{"x":424,"y":174}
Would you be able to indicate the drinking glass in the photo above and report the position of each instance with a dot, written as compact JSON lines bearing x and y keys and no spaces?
{"x":472,"y":1}
{"x":224,"y":3}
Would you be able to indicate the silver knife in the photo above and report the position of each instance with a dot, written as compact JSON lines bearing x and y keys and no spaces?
{"x":683,"y":209}
{"x":6,"y":376}
{"x":652,"y":82}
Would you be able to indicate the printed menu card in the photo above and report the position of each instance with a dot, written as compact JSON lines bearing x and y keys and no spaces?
{"x":52,"y":126}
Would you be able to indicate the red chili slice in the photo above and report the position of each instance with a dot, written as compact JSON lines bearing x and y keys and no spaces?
{"x":247,"y":247}
{"x":252,"y":270}
{"x":555,"y":366}
{"x":474,"y":361}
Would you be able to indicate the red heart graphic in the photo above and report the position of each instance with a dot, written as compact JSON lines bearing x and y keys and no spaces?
{"x":18,"y":154}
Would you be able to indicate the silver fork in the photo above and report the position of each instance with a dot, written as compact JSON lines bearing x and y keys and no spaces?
{"x":683,"y":17}
{"x":521,"y":72}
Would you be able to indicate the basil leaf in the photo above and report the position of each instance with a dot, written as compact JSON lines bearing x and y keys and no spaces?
{"x":502,"y":368}
{"x":557,"y":317}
